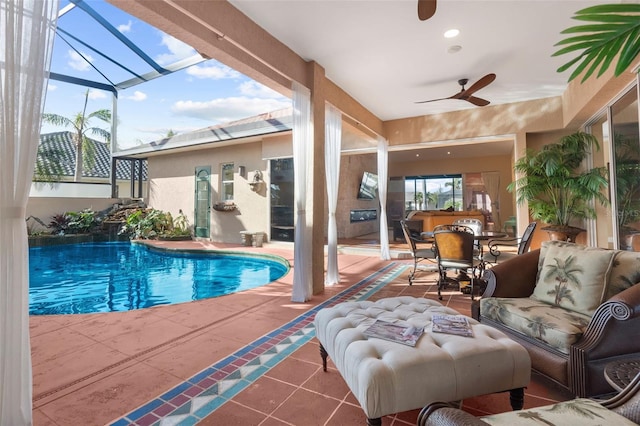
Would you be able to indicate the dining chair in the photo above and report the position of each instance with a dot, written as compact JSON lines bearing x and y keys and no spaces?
{"x":455,"y":250}
{"x":499,"y":247}
{"x":476,"y":225}
{"x":419,"y":254}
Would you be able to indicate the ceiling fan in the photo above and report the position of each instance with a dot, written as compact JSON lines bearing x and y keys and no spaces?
{"x":465,"y":94}
{"x":426,"y":9}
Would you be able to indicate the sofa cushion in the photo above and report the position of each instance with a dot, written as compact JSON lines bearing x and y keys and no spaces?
{"x":551,"y":324}
{"x":625,"y":272}
{"x":573,"y":276}
{"x":583,"y":412}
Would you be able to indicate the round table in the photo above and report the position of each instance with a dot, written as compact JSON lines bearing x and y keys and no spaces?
{"x":620,"y":373}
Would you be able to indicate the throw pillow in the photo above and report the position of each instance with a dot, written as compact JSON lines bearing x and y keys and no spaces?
{"x":625,"y":272}
{"x":573,"y":277}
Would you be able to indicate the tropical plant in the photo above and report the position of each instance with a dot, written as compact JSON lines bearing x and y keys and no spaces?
{"x":180,"y":226}
{"x":81,"y":124}
{"x":551,"y":182}
{"x":613,"y":31}
{"x":432,"y":198}
{"x":82,"y":222}
{"x":59,"y":223}
{"x":147,"y":224}
{"x":419,"y":197}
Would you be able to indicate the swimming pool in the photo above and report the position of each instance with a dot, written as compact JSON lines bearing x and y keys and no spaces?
{"x":121,"y":276}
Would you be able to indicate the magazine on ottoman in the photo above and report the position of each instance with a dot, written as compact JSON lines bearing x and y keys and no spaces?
{"x":407,"y":335}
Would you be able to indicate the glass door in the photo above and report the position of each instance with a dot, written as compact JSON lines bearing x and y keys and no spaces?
{"x":203,"y":202}
{"x":282,"y":200}
{"x":626,"y":172}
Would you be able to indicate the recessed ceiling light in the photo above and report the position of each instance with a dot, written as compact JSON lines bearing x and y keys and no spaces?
{"x":451,"y":33}
{"x":454,"y":49}
{"x":448,"y":152}
{"x":417,"y":155}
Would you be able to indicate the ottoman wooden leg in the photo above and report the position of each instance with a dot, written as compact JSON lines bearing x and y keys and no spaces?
{"x":323,"y":354}
{"x":374,"y":422}
{"x":517,"y":398}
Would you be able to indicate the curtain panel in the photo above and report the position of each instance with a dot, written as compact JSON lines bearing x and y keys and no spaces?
{"x":383,"y":172}
{"x":333,"y":146}
{"x":302,"y":143}
{"x":491,"y":181}
{"x":25,"y":55}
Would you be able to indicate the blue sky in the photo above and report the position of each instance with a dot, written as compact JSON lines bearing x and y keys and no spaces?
{"x":202,"y":95}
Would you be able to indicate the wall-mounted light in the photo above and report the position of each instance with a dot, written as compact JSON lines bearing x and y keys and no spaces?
{"x":242,"y":171}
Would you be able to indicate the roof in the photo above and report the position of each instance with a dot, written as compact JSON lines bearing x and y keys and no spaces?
{"x":62,"y":142}
{"x":259,"y":125}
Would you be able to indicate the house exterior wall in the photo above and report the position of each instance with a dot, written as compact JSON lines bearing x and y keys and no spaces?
{"x":172,"y":188}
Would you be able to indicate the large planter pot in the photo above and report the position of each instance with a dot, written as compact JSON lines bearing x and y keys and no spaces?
{"x":563,"y":233}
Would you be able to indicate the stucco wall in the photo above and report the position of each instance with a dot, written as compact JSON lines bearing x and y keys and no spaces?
{"x":172,"y":188}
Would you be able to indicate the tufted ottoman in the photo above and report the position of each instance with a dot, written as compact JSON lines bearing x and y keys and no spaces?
{"x":388,"y":377}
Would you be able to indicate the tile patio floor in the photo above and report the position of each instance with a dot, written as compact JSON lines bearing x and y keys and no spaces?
{"x":99,"y":369}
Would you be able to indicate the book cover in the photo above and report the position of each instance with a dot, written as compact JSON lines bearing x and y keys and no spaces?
{"x":407,"y":335}
{"x":452,"y":324}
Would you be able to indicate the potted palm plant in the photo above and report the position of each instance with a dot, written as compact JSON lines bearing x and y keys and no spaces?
{"x":559,"y":193}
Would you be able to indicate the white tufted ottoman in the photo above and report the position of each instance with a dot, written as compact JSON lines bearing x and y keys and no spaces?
{"x":388,"y":377}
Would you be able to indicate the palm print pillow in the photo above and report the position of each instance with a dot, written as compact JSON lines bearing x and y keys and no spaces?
{"x":573,"y":277}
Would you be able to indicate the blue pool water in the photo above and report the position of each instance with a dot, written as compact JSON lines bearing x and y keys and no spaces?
{"x":107,"y":277}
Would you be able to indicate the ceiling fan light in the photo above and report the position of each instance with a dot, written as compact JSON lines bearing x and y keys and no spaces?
{"x":451,"y":33}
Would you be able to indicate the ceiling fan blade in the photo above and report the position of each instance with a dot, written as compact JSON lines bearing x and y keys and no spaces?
{"x":477,"y":101}
{"x":432,"y":100}
{"x":426,"y":9}
{"x":484,"y":81}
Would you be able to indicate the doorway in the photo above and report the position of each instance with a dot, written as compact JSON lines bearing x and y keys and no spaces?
{"x":282,"y":200}
{"x":203,"y":202}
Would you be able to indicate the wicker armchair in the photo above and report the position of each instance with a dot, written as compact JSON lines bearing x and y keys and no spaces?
{"x":621,"y":409}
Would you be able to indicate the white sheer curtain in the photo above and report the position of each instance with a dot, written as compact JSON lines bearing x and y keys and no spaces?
{"x":302,"y":143}
{"x":468,"y":193}
{"x":383,"y":172}
{"x":491,"y":181}
{"x":25,"y":55}
{"x":333,"y":146}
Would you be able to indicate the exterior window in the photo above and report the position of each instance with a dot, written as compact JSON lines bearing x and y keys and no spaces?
{"x":433,"y":192}
{"x":227,"y":182}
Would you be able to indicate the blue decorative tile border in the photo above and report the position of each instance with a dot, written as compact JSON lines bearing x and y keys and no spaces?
{"x":198,"y":397}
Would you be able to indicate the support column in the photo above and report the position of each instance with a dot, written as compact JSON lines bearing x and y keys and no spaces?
{"x":316,"y":196}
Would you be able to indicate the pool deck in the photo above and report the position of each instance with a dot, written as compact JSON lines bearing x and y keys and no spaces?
{"x":242,"y":359}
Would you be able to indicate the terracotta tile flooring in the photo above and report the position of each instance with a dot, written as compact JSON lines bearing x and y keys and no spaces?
{"x":96,"y":369}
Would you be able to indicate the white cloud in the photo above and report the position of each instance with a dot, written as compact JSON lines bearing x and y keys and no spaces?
{"x":137,"y":96}
{"x":97,"y":94}
{"x":77,"y":62}
{"x":125,"y":28}
{"x":253,"y":88}
{"x":51,"y":87}
{"x":215,"y":71}
{"x":223,"y":110}
{"x":177,"y":50}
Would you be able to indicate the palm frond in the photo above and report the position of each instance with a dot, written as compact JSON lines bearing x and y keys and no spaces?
{"x":617,"y":34}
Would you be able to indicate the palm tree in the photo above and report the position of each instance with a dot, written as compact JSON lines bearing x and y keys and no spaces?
{"x":85,"y":151}
{"x":612,"y":33}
